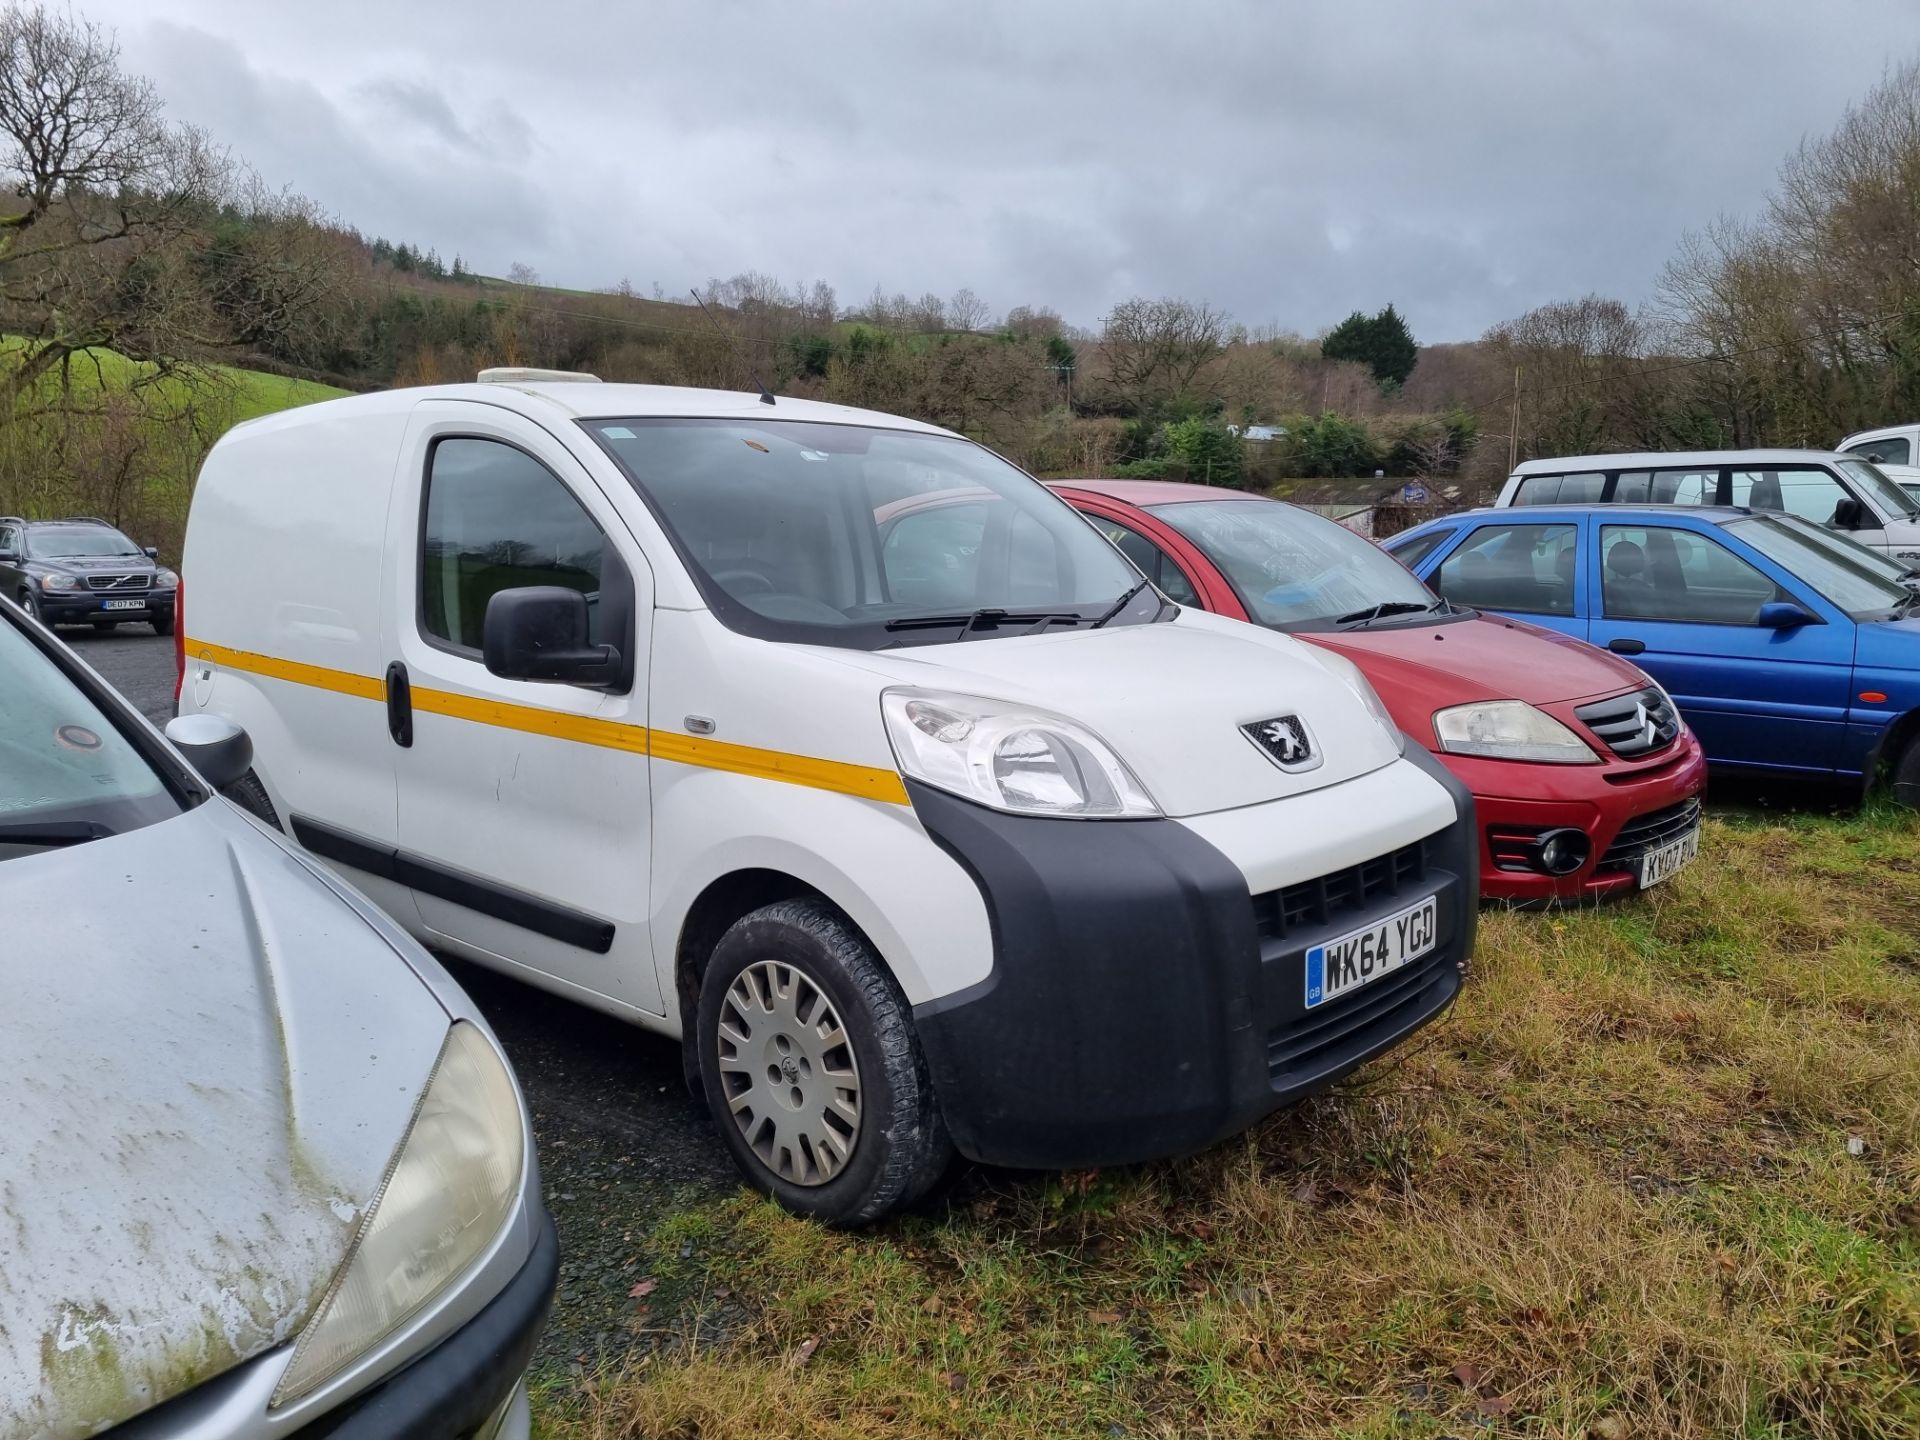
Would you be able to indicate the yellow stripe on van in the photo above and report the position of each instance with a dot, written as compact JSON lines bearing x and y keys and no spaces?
{"x":560,"y":724}
{"x":317,"y":676}
{"x":865,"y":781}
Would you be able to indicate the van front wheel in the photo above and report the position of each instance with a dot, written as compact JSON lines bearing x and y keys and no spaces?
{"x":812,"y":1070}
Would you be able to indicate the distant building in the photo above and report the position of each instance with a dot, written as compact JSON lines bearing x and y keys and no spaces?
{"x":1258,"y":434}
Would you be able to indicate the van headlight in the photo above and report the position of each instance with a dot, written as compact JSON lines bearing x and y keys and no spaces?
{"x":1356,"y":680}
{"x":1029,"y":762}
{"x":448,"y":1193}
{"x":1509,"y":730}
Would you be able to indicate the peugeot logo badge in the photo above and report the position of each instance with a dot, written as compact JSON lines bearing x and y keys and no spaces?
{"x":1285,"y":741}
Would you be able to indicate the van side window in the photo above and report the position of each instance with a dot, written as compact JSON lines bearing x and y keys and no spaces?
{"x":1667,"y":487}
{"x":495,"y":519}
{"x":1803,"y":490}
{"x":1894,"y":450}
{"x":1527,"y":568}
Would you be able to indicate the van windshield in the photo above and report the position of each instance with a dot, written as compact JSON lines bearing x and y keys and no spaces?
{"x":1889,"y":499}
{"x":867,"y":537}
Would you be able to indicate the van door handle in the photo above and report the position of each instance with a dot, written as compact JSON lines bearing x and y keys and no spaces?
{"x":399,"y":705}
{"x":1624,"y":646}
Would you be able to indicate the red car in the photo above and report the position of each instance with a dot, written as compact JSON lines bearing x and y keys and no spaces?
{"x":1587,"y":780}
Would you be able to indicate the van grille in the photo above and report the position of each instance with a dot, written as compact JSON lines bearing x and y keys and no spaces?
{"x":1326,"y":898}
{"x":1632,"y":725}
{"x":1352,"y":1024}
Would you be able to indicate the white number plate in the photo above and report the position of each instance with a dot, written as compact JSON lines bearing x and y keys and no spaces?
{"x":123,"y":604}
{"x":1669,"y":859}
{"x":1363,"y":956}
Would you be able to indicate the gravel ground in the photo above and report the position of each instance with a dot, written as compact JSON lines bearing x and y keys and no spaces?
{"x":622,"y":1146}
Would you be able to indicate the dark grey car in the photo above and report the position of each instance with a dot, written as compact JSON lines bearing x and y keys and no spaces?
{"x":83,"y":570}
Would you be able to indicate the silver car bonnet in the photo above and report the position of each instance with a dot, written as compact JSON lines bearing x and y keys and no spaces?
{"x":208,"y":1061}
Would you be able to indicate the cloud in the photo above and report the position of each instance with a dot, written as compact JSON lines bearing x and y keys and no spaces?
{"x":1291,"y":163}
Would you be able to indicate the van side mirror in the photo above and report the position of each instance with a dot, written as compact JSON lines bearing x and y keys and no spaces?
{"x":1783,"y":615}
{"x":216,"y":747}
{"x":539,"y":632}
{"x":1849,"y":514}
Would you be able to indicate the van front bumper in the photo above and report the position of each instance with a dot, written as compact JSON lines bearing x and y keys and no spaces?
{"x":1145,"y":1003}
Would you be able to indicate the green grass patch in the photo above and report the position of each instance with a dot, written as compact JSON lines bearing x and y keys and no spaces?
{"x":1657,"y":1175}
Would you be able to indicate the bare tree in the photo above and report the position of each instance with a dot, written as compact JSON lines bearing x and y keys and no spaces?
{"x":967,"y":311}
{"x":1156,"y":349}
{"x":521,"y":273}
{"x":1030,"y":322}
{"x":106,"y":192}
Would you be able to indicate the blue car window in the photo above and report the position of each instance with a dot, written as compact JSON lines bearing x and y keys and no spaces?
{"x":1651,"y":572}
{"x":1411,"y":552}
{"x":1524,"y":568}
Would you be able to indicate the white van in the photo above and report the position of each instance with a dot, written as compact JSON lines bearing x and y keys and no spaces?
{"x":925,"y":826}
{"x":1889,"y":445}
{"x":1842,"y":492}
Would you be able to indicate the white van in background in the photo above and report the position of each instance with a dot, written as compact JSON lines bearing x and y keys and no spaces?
{"x":924,"y":829}
{"x":1842,"y":492}
{"x":1889,"y":445}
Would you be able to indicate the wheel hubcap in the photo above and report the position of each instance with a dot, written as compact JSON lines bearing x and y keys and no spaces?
{"x":789,"y":1074}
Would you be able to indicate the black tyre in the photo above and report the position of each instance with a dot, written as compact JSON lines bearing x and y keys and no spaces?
{"x":163,"y":624}
{"x":1905,"y":776}
{"x":251,"y":796}
{"x":30,"y":602}
{"x":812,"y":1070}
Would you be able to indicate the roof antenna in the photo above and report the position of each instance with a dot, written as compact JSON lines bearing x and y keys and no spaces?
{"x":766,"y":395}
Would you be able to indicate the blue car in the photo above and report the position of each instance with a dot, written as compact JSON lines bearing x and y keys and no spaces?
{"x":1789,"y":648}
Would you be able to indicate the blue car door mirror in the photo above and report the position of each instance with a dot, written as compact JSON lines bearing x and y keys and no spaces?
{"x":1784,"y":615}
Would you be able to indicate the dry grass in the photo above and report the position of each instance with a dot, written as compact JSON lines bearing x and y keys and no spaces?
{"x":1612,"y":1195}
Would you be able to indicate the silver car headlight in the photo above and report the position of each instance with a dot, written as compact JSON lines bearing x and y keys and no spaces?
{"x":1356,"y":680}
{"x":1013,"y":758}
{"x":1509,"y":730}
{"x":59,"y":582}
{"x":450,"y":1190}
{"x":165,"y":580}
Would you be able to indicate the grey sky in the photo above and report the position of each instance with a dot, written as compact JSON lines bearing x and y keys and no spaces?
{"x":1289,"y":162}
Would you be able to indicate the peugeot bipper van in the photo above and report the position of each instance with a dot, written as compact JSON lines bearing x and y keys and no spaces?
{"x":958,"y":836}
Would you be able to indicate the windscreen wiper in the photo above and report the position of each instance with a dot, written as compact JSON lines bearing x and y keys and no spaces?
{"x":1386,"y":607}
{"x":52,"y":833}
{"x":974,"y":619}
{"x":1119,"y":605}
